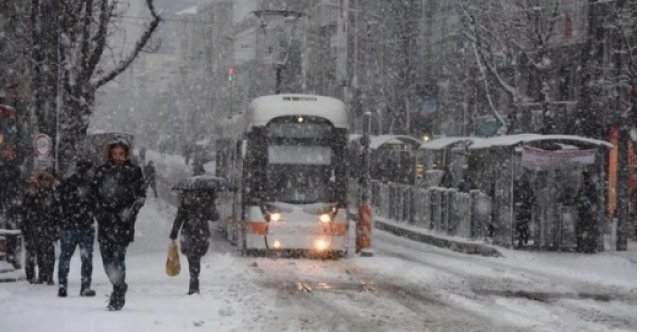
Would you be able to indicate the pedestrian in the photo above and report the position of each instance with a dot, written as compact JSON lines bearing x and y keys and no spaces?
{"x":118,"y":188}
{"x":586,"y":228}
{"x":466,"y":184}
{"x":195,"y":209}
{"x":13,"y":214}
{"x":199,"y":163}
{"x":187,"y":153}
{"x":77,"y":229}
{"x":162,"y":147}
{"x":40,"y":227}
{"x":150,"y":177}
{"x":447,"y":179}
{"x":143,"y":154}
{"x":524,"y":198}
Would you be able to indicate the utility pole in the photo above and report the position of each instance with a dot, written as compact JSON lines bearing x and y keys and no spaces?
{"x":364,"y":222}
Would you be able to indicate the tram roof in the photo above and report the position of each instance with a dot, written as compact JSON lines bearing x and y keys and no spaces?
{"x":263,"y":109}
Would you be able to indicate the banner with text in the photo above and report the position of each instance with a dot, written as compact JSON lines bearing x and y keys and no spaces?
{"x":539,"y":159}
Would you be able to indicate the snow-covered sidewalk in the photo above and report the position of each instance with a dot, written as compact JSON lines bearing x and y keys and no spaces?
{"x":155,"y":302}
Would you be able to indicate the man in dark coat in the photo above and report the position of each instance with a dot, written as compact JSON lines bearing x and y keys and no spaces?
{"x":150,"y":177}
{"x":77,"y":205}
{"x":524,"y":198}
{"x":118,"y":188}
{"x":143,"y":154}
{"x":40,"y":228}
{"x":586,"y":229}
{"x":195,"y":209}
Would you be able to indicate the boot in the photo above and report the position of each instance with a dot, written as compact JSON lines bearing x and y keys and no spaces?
{"x":116,"y":302}
{"x":30,"y":275}
{"x":118,"y":299}
{"x":62,"y":290}
{"x":86,"y":289}
{"x":194,"y":287}
{"x":50,"y":281}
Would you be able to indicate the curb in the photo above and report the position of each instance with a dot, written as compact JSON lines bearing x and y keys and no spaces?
{"x":11,"y":276}
{"x":463,"y":247}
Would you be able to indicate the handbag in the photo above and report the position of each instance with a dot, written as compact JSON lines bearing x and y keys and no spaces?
{"x":172,"y":266}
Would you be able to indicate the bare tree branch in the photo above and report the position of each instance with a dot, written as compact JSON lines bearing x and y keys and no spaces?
{"x":488,"y":92}
{"x":138,"y":47}
{"x":100,"y":38}
{"x":85,"y":41}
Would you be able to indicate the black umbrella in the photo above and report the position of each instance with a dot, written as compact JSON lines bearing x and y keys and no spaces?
{"x":204,"y":182}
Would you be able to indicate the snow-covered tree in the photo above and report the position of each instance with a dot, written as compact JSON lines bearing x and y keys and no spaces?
{"x":67,"y":56}
{"x":86,"y":26}
{"x":516,"y":35}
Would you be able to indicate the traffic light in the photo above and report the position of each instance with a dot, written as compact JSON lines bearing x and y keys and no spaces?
{"x":231,"y":74}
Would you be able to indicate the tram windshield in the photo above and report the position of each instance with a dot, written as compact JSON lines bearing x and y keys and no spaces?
{"x":300,"y":174}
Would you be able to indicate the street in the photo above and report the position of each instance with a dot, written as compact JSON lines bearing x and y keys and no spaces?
{"x":405,"y":286}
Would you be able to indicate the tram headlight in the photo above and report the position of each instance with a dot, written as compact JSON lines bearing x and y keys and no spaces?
{"x":325,"y":218}
{"x":321,"y":245}
{"x":275,"y":216}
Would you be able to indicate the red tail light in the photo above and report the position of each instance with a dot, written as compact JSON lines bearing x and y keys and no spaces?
{"x":6,"y":111}
{"x":9,"y":154}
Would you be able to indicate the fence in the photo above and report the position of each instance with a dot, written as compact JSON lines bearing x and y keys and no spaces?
{"x":472,"y":215}
{"x":443,"y":210}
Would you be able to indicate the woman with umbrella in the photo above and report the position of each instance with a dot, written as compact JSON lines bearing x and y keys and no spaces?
{"x":196,"y":207}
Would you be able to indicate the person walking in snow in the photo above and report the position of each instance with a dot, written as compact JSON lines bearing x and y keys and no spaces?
{"x":150,"y":177}
{"x":118,"y":190}
{"x":40,"y":228}
{"x":586,"y":227}
{"x":143,"y":154}
{"x":198,"y":163}
{"x":77,"y":206}
{"x":196,"y":208}
{"x":524,"y":199}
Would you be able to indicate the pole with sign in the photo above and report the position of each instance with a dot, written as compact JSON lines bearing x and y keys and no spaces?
{"x":42,"y":144}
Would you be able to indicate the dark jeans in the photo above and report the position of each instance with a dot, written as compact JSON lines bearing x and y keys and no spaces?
{"x":114,"y":261}
{"x":45,"y":254}
{"x":523,"y":232}
{"x":69,"y":240}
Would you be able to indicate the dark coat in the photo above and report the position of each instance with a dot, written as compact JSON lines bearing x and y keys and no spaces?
{"x":149,"y":173}
{"x":586,"y":228}
{"x":447,"y":180}
{"x":587,"y":198}
{"x":40,"y":217}
{"x":192,"y":217}
{"x":77,"y":203}
{"x":524,"y":198}
{"x":119,"y":194}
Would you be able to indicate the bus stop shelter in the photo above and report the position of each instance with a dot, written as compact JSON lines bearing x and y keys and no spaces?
{"x":549,"y":165}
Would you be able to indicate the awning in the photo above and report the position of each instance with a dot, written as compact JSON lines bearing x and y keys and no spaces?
{"x":512,"y":140}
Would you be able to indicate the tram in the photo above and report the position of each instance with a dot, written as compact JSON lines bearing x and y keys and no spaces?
{"x":287,"y":153}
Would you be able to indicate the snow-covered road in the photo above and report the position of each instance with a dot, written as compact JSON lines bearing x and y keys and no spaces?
{"x":405,"y":286}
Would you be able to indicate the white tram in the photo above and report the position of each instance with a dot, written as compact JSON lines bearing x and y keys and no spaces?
{"x":287,"y":154}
